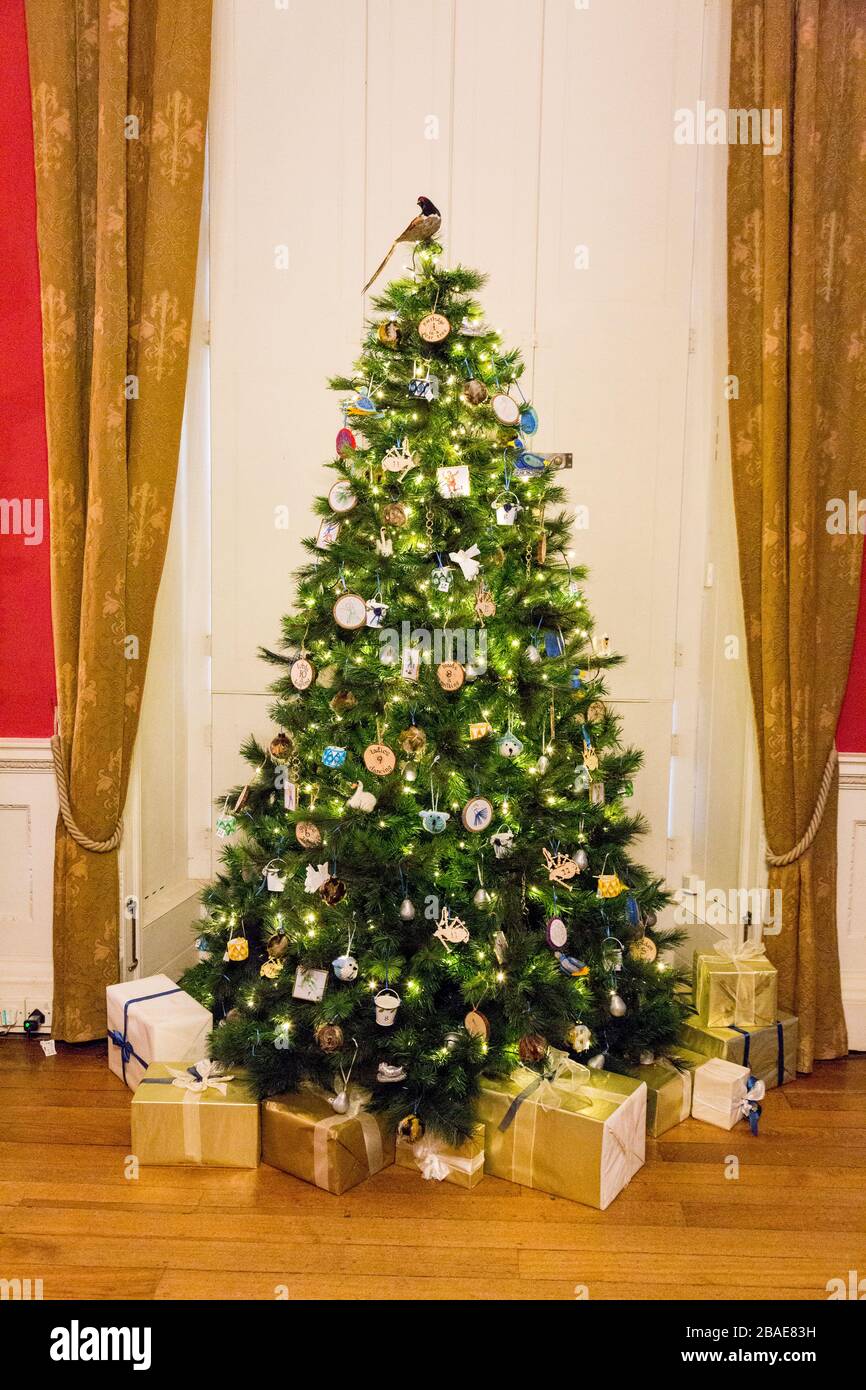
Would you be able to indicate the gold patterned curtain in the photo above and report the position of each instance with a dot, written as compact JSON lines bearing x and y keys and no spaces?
{"x":120,"y":91}
{"x":797,"y":333}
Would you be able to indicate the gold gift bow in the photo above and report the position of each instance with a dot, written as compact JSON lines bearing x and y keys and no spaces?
{"x":369,"y":1129}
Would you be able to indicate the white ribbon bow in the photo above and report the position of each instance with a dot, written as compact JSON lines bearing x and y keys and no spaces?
{"x":466,"y":560}
{"x":208,"y":1078}
{"x":757,"y":1093}
{"x":430,"y":1161}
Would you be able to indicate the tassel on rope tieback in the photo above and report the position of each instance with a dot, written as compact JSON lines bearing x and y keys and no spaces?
{"x":85,"y":841}
{"x":780,"y":861}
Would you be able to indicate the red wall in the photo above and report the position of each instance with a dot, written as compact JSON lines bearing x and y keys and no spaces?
{"x":26,"y":657}
{"x":851,"y":733}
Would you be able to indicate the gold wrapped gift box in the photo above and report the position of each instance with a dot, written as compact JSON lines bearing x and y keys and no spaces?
{"x":769,"y":1053}
{"x":584,"y":1141}
{"x":668,"y":1094}
{"x":735,"y":989}
{"x":174,"y":1123}
{"x":463,"y":1164}
{"x":302,"y":1134}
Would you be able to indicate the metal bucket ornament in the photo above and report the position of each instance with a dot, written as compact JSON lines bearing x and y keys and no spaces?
{"x":387,"y":1002}
{"x":611,"y":953}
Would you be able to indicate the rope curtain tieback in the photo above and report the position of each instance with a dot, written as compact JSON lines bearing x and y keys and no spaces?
{"x":95,"y":846}
{"x":780,"y":861}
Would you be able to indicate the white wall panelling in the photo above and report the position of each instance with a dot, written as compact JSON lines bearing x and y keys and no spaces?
{"x":28,"y":812}
{"x":851,"y":894}
{"x":537,"y":127}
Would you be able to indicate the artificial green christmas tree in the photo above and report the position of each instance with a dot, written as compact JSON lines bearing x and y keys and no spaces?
{"x":428,"y":875}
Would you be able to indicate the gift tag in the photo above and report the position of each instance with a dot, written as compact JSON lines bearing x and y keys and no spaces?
{"x":329,"y":530}
{"x":477,"y":814}
{"x":434,"y":328}
{"x":309,"y":983}
{"x":379,"y":759}
{"x":410,"y":663}
{"x":290,"y":796}
{"x":350,"y":612}
{"x":341,"y":498}
{"x":450,"y":675}
{"x":302,"y":673}
{"x":453,"y":481}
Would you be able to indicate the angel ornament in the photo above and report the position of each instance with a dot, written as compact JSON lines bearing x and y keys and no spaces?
{"x":560,"y":868}
{"x":451,"y":931}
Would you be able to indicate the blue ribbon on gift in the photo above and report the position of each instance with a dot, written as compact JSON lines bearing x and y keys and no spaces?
{"x":127,"y":1051}
{"x":780,"y":1049}
{"x":754,"y":1108}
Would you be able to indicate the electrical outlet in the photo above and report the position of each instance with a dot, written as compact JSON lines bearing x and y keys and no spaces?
{"x":44,"y":1005}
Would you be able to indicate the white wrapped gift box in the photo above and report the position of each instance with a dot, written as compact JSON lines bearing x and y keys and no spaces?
{"x":153,"y":1020}
{"x":719,"y":1090}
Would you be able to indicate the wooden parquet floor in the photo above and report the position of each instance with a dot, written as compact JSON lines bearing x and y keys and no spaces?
{"x":793,"y":1219}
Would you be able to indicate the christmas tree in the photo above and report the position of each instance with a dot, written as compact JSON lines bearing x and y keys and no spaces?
{"x":427,"y":876}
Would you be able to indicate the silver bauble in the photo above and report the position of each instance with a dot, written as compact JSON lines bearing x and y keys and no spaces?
{"x":647,"y":1058}
{"x":472,"y":670}
{"x":617,"y":1006}
{"x":650,"y":919}
{"x":481,"y":898}
{"x":597,"y":1062}
{"x":532,"y":653}
{"x":581,"y":859}
{"x":543,"y":763}
{"x":340,"y":1102}
{"x":407,"y":909}
{"x":409,"y":773}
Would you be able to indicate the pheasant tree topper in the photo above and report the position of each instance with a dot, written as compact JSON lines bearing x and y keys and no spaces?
{"x":422,"y":227}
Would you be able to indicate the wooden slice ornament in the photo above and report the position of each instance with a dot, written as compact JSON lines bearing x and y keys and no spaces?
{"x":379,"y":759}
{"x":302,"y":673}
{"x":434,"y":328}
{"x":557,"y":933}
{"x":477,"y":1025}
{"x":450,"y":675}
{"x":350,"y":612}
{"x":477,"y":814}
{"x":341,"y":498}
{"x":308,"y":834}
{"x":505,"y":408}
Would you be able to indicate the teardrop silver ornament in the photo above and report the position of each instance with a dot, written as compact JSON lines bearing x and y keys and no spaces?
{"x":407,"y":909}
{"x":617,"y":1005}
{"x":482,"y":898}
